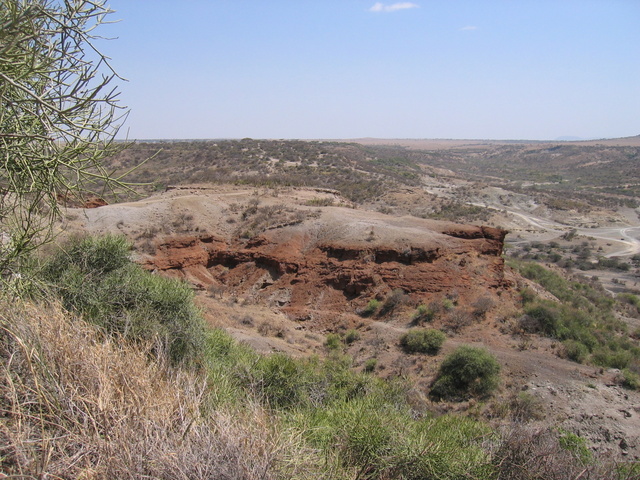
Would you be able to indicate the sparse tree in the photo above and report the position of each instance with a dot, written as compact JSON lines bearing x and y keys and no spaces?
{"x":59,"y":114}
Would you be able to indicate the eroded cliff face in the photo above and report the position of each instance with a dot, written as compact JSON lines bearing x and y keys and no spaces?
{"x":310,"y":277}
{"x":309,"y":262}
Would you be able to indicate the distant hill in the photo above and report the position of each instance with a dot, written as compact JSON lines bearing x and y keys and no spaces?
{"x":569,"y":138}
{"x":448,"y":143}
{"x":598,"y":171}
{"x":614,"y":142}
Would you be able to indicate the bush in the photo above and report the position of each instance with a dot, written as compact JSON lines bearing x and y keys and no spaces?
{"x":366,"y":437}
{"x":530,"y":453}
{"x":527,"y":295}
{"x":379,"y":437}
{"x":92,"y":255}
{"x":545,"y":317}
{"x":576,"y":445}
{"x":629,"y":379}
{"x":370,"y":365}
{"x":351,"y":336}
{"x":94,"y":277}
{"x":447,"y":304}
{"x":371,"y":307}
{"x":333,"y":342}
{"x":279,"y":380}
{"x":584,"y":319}
{"x":630,"y":299}
{"x":423,"y":314}
{"x":422,"y":340}
{"x":576,"y":351}
{"x":482,"y":305}
{"x":393,"y":300}
{"x":606,"y":357}
{"x":468,"y":371}
{"x":107,"y":410}
{"x":59,"y":117}
{"x":456,"y":319}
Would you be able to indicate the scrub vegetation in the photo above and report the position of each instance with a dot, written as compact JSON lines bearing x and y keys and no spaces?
{"x":359,"y":173}
{"x":583,"y":318}
{"x":94,"y":390}
{"x":422,"y":340}
{"x":580,"y":181}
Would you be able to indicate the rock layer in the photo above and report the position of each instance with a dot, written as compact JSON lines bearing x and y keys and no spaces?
{"x":288,"y":269}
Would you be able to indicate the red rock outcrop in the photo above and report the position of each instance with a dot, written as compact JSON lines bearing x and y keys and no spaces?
{"x":287,"y":269}
{"x":94,"y":202}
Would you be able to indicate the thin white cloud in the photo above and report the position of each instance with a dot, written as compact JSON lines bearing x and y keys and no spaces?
{"x":468,"y":28}
{"x":381,"y":7}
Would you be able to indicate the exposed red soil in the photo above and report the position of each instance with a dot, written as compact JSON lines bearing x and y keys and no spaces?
{"x":318,"y":280}
{"x":94,"y":202}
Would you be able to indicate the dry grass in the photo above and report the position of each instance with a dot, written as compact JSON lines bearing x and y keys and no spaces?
{"x":527,"y":453}
{"x":74,"y":404}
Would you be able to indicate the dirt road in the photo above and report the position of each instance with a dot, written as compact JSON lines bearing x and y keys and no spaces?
{"x":625,"y":238}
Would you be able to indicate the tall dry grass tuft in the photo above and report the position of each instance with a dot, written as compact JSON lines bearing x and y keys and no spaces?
{"x":78,"y":404}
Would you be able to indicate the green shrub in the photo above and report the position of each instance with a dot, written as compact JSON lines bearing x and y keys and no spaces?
{"x":447,"y":304}
{"x":370,"y":365}
{"x":95,"y":278}
{"x":351,"y":336}
{"x":393,"y":300}
{"x":366,"y":436}
{"x":371,"y":308}
{"x":91,"y":255}
{"x":333,"y":342}
{"x":422,"y":340}
{"x":584,"y":321}
{"x":387,"y":444}
{"x":606,"y":357}
{"x":576,"y":351}
{"x":227,"y":363}
{"x":630,"y":379}
{"x":446,"y":447}
{"x":630,"y":470}
{"x":335,"y":381}
{"x":527,"y":295}
{"x":377,"y":436}
{"x":280,"y":379}
{"x":551,"y":281}
{"x":545,"y":316}
{"x":630,"y":299}
{"x":468,"y":371}
{"x":575,"y":444}
{"x":423,"y":314}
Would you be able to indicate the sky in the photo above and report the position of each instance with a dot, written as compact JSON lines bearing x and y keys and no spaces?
{"x":339,"y":69}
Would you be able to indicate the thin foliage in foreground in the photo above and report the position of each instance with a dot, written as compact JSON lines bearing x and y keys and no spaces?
{"x":59,"y":114}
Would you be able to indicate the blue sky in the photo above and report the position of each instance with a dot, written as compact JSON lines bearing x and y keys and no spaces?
{"x":499,"y":69}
